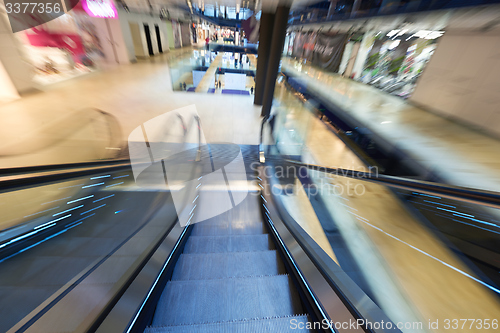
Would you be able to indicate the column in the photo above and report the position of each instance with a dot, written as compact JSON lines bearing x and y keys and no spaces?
{"x":15,"y":73}
{"x":170,"y":35}
{"x":265,"y":35}
{"x":355,"y":8}
{"x":331,"y":9}
{"x":277,"y":42}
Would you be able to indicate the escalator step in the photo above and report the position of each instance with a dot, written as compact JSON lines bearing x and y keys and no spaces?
{"x":276,"y":325}
{"x":205,"y":301}
{"x":222,"y":227}
{"x":217,"y":244}
{"x":226,"y":265}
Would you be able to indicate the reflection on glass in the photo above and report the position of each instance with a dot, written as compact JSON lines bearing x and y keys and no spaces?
{"x":420,"y":258}
{"x":70,"y":238}
{"x":215,"y":72}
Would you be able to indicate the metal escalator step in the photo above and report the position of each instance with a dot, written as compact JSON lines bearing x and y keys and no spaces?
{"x":205,"y":301}
{"x":236,"y":221}
{"x":217,"y":244}
{"x":275,"y":325}
{"x":224,"y":227}
{"x":203,"y":266}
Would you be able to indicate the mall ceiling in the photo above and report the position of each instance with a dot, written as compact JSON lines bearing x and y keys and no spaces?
{"x":485,"y":19}
{"x":144,"y":5}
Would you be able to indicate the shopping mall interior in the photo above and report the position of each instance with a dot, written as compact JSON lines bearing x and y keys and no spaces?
{"x":249,"y":166}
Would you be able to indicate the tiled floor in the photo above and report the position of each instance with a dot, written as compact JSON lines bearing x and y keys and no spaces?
{"x":46,"y":127}
{"x":460,"y":155}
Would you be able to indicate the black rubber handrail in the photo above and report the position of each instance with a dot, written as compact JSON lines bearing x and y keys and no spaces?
{"x":32,"y":176}
{"x":460,"y":193}
{"x":62,"y":166}
{"x":481,"y":197}
{"x":34,"y":179}
{"x":352,"y":296}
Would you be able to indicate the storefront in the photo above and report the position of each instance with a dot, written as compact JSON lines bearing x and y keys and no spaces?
{"x":176,"y":27}
{"x":73,"y":44}
{"x":391,"y":61}
{"x":202,"y":32}
{"x":397,"y":59}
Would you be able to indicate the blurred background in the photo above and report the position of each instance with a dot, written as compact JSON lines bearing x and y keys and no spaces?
{"x":366,"y":136}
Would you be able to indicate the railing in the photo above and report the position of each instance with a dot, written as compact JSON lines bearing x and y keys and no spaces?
{"x":480,"y":197}
{"x":476,"y":196}
{"x":333,"y":296}
{"x":135,"y":307}
{"x":31,"y":178}
{"x":198,"y":152}
{"x":100,"y":188}
{"x":61,"y":138}
{"x":363,"y":241}
{"x":343,"y":10}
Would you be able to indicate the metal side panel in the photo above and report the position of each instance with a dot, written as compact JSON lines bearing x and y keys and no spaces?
{"x":128,"y":311}
{"x":323,"y":293}
{"x":77,"y":292}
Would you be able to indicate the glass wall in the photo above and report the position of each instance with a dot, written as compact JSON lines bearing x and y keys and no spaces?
{"x":388,"y":60}
{"x":422,"y":259}
{"x":215,"y":72}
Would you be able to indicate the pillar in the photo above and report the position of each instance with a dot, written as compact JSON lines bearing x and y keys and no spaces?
{"x":331,"y":9}
{"x":277,"y":43}
{"x":265,"y":35}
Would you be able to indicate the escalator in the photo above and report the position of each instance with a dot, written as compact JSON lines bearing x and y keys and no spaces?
{"x":228,"y":274}
{"x":71,"y":264}
{"x":210,"y":239}
{"x":229,"y":278}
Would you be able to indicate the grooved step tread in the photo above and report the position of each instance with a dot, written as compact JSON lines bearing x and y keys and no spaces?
{"x":275,"y":325}
{"x":205,"y":301}
{"x":218,"y":244}
{"x":228,"y":227}
{"x":201,"y":266}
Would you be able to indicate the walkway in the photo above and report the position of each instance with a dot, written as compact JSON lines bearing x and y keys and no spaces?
{"x":460,"y":155}
{"x":209,"y":76}
{"x":40,"y":127}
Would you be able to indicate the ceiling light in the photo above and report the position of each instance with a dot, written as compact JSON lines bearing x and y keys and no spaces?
{"x":392,"y":33}
{"x":435,"y":34}
{"x":428,"y":34}
{"x":402,"y":32}
{"x":394,"y":44}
